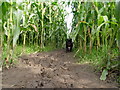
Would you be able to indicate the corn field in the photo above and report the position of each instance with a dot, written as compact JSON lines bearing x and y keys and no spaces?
{"x":95,"y":27}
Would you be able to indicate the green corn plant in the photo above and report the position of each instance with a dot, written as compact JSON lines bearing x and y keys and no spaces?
{"x":36,"y":20}
{"x":1,"y":32}
{"x":99,"y":28}
{"x":118,"y":19}
{"x":117,"y":10}
{"x":109,"y":66}
{"x":42,"y":25}
{"x":8,"y":26}
{"x":11,"y":27}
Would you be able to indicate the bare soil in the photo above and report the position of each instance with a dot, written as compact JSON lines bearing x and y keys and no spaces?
{"x":54,"y":69}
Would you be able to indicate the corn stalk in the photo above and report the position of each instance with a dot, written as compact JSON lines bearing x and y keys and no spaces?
{"x":42,"y":25}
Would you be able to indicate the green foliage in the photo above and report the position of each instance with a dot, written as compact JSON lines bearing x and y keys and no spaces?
{"x":104,"y":74}
{"x":104,"y":60}
{"x":19,"y":51}
{"x":117,"y":11}
{"x":16,"y":29}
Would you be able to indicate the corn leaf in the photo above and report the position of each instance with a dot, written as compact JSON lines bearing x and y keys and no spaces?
{"x":104,"y":74}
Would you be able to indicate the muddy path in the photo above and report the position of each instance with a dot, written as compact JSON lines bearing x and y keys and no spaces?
{"x":55,"y":69}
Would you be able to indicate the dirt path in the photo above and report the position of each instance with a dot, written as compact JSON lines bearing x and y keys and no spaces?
{"x":55,"y":69}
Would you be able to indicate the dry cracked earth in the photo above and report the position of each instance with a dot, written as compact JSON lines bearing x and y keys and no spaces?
{"x":54,"y":69}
